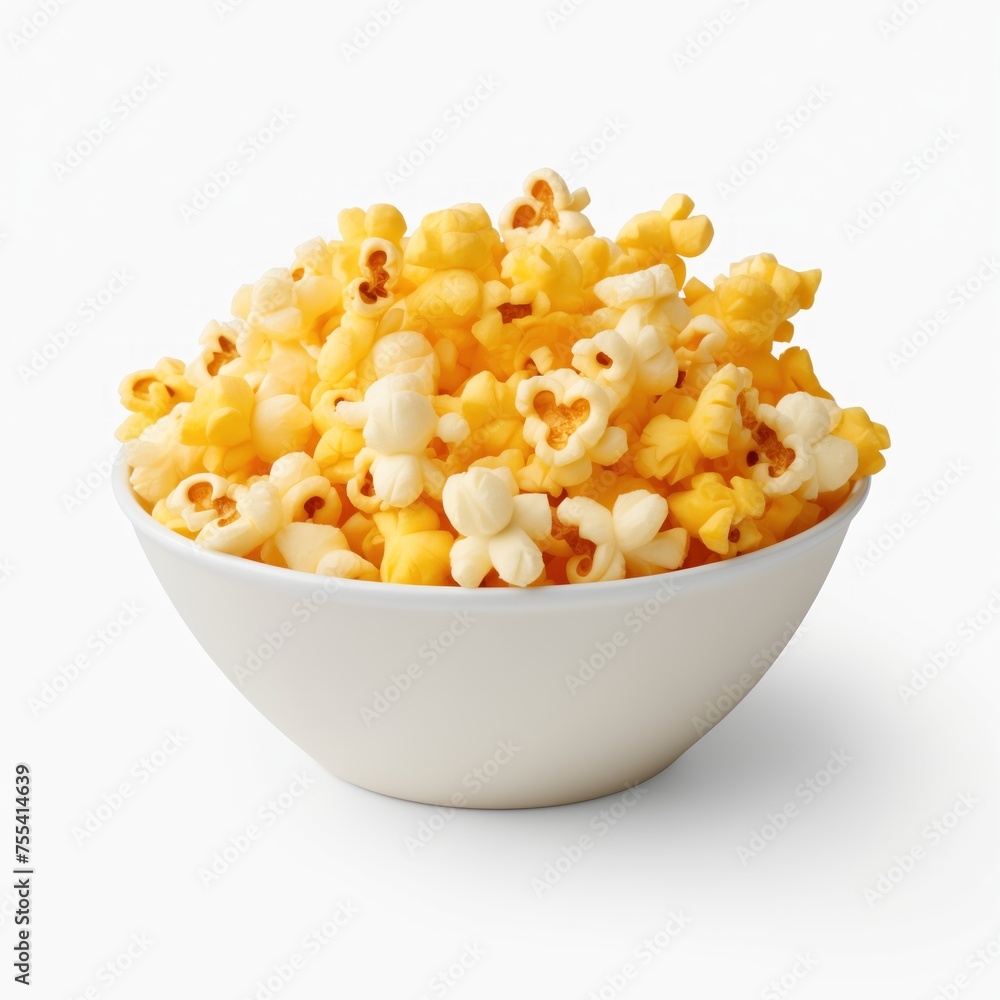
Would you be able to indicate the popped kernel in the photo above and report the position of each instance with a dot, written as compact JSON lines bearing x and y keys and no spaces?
{"x":498,"y":527}
{"x":626,"y":537}
{"x":520,"y":404}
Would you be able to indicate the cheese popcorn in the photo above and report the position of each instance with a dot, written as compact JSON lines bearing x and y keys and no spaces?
{"x":516,"y":403}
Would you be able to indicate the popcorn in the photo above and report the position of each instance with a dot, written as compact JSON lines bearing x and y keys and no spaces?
{"x":627,"y":536}
{"x":566,"y":423}
{"x":547,"y":211}
{"x":523,"y":405}
{"x":798,"y":451}
{"x":398,"y":423}
{"x":498,"y":527}
{"x":245,"y":518}
{"x":317,"y":548}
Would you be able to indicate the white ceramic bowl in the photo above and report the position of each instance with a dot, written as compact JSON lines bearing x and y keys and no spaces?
{"x":497,"y":698}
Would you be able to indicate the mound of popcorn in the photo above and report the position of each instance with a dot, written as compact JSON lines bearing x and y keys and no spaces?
{"x":520,"y":405}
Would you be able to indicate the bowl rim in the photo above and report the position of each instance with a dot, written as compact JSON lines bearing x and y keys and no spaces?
{"x":488,"y":598}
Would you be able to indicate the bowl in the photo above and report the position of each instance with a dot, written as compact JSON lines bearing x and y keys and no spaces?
{"x":495,"y":698}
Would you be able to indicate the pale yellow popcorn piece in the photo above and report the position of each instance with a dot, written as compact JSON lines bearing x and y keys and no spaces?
{"x":251,"y":515}
{"x":317,"y":548}
{"x":280,"y":424}
{"x":306,"y":494}
{"x":218,"y":341}
{"x":626,"y":537}
{"x":499,"y":525}
{"x":717,"y":410}
{"x":819,"y":461}
{"x":159,"y":459}
{"x":547,"y":212}
{"x":566,"y":423}
{"x":398,"y":423}
{"x":405,"y":352}
{"x":194,"y":500}
{"x":380,"y":263}
{"x":459,"y":237}
{"x":643,"y":298}
{"x":668,"y":450}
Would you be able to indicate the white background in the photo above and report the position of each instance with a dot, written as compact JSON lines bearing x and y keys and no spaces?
{"x":886,"y":95}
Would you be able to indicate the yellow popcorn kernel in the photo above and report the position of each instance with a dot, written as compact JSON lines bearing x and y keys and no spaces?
{"x":280,"y":424}
{"x":153,"y":393}
{"x":317,"y":548}
{"x":246,"y":517}
{"x":417,"y":550}
{"x":306,"y":494}
{"x":345,"y":347}
{"x":218,"y":342}
{"x":667,"y":450}
{"x":272,"y":310}
{"x":364,"y":537}
{"x":757,"y":299}
{"x":716,"y":410}
{"x":796,"y":368}
{"x":447,"y":298}
{"x":488,"y":406}
{"x":453,"y":238}
{"x":779,"y":515}
{"x":552,"y":278}
{"x":547,"y":213}
{"x":158,"y":457}
{"x":371,"y":294}
{"x":566,"y":423}
{"x":196,"y":500}
{"x":720,"y":515}
{"x":324,"y":408}
{"x":336,"y":450}
{"x":163,"y":515}
{"x":665,"y":236}
{"x":219,"y":414}
{"x":405,"y":352}
{"x":869,"y":438}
